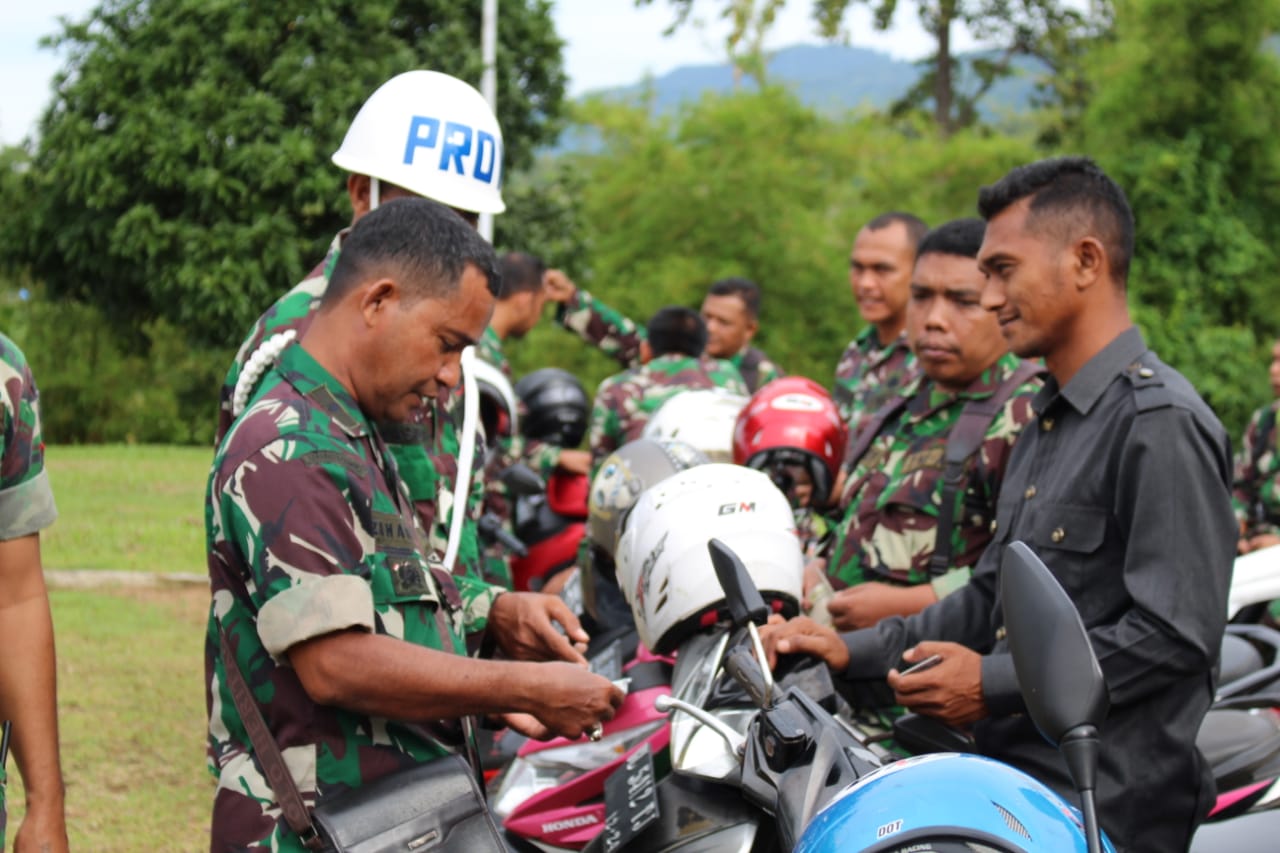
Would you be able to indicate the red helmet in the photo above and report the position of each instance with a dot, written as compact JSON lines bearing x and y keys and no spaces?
{"x":792,"y":421}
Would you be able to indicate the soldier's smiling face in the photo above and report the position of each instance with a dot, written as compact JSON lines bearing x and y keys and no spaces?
{"x":880,"y":273}
{"x":954,"y":338}
{"x":416,"y":347}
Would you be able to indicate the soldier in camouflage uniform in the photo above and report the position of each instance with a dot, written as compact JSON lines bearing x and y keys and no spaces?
{"x":673,"y":362}
{"x":878,"y":362}
{"x":323,"y":586}
{"x":518,"y":310}
{"x":891,"y":500}
{"x":27,"y":666}
{"x":427,"y":449}
{"x":1255,"y":493}
{"x":730,"y":309}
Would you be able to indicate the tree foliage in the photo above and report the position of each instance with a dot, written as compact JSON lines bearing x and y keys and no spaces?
{"x":753,"y":184}
{"x":1051,"y":31}
{"x":1187,"y":99}
{"x":182,"y":170}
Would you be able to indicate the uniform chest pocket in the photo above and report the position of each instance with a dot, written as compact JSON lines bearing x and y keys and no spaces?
{"x":1067,"y":538}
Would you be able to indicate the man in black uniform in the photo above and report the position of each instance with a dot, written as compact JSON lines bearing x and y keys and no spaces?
{"x":1121,"y":484}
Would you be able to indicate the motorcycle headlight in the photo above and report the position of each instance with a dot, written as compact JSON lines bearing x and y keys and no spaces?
{"x":530,"y":774}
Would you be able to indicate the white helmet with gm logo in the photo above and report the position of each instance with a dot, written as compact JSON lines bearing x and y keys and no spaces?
{"x":433,"y":135}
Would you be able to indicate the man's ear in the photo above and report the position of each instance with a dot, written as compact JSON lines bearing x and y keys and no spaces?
{"x":358,"y":192}
{"x":377,"y":297}
{"x":753,"y":325}
{"x":1090,"y":263}
{"x":646,"y":352}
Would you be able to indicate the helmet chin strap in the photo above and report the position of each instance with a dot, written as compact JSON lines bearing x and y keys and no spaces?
{"x":375,"y":193}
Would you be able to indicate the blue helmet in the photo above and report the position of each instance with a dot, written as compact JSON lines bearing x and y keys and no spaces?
{"x":946,"y":802}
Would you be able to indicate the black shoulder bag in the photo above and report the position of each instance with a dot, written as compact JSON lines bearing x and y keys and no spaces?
{"x":437,"y":806}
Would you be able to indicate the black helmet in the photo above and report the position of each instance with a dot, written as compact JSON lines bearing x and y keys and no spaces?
{"x":556,"y":407}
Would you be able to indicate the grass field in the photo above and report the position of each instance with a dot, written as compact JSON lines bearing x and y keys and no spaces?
{"x":127,"y":507}
{"x":130,"y":661}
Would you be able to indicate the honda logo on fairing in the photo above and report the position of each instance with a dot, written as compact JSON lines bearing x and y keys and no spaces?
{"x":570,"y":823}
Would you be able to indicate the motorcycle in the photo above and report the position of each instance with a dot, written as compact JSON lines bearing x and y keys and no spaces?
{"x":796,"y":777}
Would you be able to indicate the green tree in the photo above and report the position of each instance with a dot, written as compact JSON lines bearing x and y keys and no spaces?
{"x":1049,"y":30}
{"x":759,"y":185}
{"x":1184,"y":116}
{"x":182,"y":170}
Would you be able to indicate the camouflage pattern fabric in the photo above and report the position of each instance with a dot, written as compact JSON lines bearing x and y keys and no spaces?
{"x":309,"y":530}
{"x":26,"y":499}
{"x":538,"y":455}
{"x":868,"y":376}
{"x":619,"y":337}
{"x":890,"y":498}
{"x":610,"y":331}
{"x":426,"y":451}
{"x":757,"y":369}
{"x":624,"y":401}
{"x":1255,"y":493}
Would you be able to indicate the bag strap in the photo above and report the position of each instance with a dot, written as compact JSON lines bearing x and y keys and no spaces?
{"x":859,"y":444}
{"x":295,"y":810}
{"x":965,"y":439}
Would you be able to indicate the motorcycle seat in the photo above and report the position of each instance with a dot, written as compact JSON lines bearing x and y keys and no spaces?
{"x":1239,"y":658}
{"x":1237,"y":743}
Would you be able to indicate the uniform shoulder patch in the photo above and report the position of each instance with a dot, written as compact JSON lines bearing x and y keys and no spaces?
{"x":1149,"y":390}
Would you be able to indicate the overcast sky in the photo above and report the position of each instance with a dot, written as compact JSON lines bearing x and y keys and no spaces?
{"x":607,"y":43}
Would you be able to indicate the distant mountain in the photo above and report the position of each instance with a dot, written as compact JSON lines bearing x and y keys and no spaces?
{"x":829,"y":77}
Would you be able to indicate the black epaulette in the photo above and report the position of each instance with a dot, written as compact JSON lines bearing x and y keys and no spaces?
{"x":1149,"y":390}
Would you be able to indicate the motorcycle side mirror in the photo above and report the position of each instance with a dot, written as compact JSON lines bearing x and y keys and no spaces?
{"x":1058,"y":672}
{"x":522,"y":481}
{"x":745,"y":604}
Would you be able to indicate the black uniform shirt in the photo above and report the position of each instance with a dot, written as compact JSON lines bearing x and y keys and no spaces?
{"x":1122,"y":486}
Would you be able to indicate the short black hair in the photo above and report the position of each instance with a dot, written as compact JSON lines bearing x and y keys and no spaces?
{"x":1070,"y":195}
{"x":676,"y":329}
{"x":915,"y":226}
{"x":521,"y":273}
{"x":743,"y":288}
{"x":960,"y":237}
{"x":424,"y":244}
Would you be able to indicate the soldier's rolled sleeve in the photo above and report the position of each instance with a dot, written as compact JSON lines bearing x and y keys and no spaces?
{"x":27,"y":507}
{"x":313,"y":608}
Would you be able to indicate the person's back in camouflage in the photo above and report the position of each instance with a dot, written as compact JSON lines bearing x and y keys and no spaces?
{"x":619,"y":337}
{"x":878,"y":363}
{"x":889,"y":556}
{"x":624,"y":402}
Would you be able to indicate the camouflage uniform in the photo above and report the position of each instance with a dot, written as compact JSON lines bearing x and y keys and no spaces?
{"x":598,"y":324}
{"x":625,"y":400}
{"x":619,"y":337}
{"x":1255,"y":494}
{"x":868,"y":376}
{"x":426,"y":451}
{"x":757,"y":369}
{"x":26,"y":500}
{"x":891,"y":497}
{"x":310,"y":530}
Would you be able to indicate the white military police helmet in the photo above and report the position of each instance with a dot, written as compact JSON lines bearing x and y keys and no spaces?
{"x":663,"y":566}
{"x":704,"y":418}
{"x":431,"y":134}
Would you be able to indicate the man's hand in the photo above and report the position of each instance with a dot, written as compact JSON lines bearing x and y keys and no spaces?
{"x":867,"y":603}
{"x":558,"y":286}
{"x":522,"y":625}
{"x":950,"y":691}
{"x":1256,"y":543}
{"x":575,"y":461}
{"x":43,"y":830}
{"x":803,"y":636}
{"x":569,"y":701}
